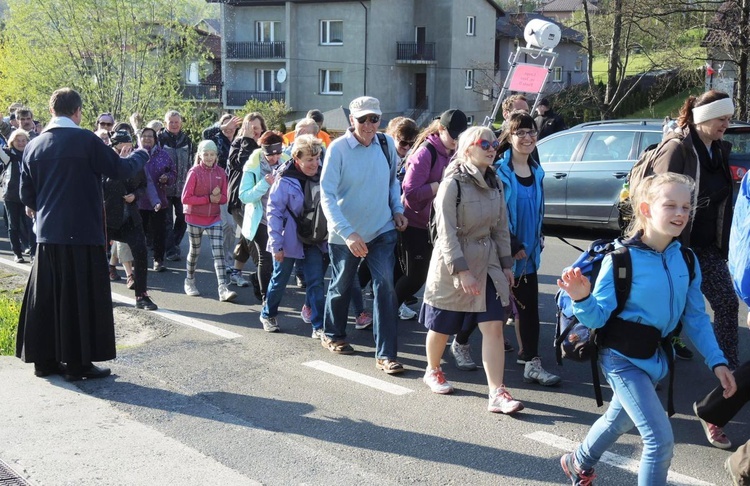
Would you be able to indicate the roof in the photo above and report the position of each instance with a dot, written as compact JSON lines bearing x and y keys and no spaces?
{"x":513,"y":26}
{"x":566,"y":6}
{"x":720,"y":29}
{"x":495,"y":3}
{"x":209,"y":26}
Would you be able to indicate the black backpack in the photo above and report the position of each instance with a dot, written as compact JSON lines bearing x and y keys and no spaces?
{"x":401,"y":170}
{"x":312,"y":226}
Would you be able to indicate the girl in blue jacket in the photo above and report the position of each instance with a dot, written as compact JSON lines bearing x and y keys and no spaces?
{"x":662,"y":293}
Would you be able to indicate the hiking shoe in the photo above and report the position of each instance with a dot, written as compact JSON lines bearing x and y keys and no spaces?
{"x":145,"y":302}
{"x":462,"y":354}
{"x":301,"y":281}
{"x":318,"y":334}
{"x":237,"y":279}
{"x":172,"y":257}
{"x":363,"y":320}
{"x":226,"y":295}
{"x":533,"y":372}
{"x":501,"y":402}
{"x":19,"y":259}
{"x":680,"y":350}
{"x":306,"y":314}
{"x":159,"y":266}
{"x":269,"y":324}
{"x":406,"y":314}
{"x":578,"y":476}
{"x":190,"y":288}
{"x":714,"y":433}
{"x":435,"y":379}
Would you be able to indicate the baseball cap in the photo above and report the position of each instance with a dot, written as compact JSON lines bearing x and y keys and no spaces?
{"x":120,"y":136}
{"x":365,"y":105}
{"x":544,"y":102}
{"x":454,"y":121}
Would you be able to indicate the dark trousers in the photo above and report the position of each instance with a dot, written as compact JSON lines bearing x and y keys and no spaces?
{"x":132,"y":234}
{"x":154,"y":224}
{"x":525,"y":294}
{"x":19,"y":228}
{"x":416,"y":252}
{"x":175,"y":225}
{"x":717,"y":410}
{"x":244,"y":250}
{"x":265,"y":259}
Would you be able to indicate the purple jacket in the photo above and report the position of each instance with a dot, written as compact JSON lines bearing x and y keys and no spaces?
{"x":159,"y":164}
{"x":420,"y":173}
{"x":286,"y":195}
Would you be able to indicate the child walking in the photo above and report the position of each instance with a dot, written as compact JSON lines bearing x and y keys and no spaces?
{"x":204,"y":192}
{"x":662,"y":293}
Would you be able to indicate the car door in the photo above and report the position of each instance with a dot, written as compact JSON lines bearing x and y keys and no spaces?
{"x":556,"y":154}
{"x":595,"y":181}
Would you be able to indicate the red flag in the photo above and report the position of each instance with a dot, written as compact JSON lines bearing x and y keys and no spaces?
{"x":709,"y":70}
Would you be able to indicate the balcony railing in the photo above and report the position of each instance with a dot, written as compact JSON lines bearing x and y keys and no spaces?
{"x":415,"y":52}
{"x":239,"y":98}
{"x":203,"y":91}
{"x":255,"y":50}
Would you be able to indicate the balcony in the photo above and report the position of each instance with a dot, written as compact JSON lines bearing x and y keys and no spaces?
{"x":201,"y":92}
{"x":415,"y":53}
{"x":256,"y":50}
{"x":239,"y":98}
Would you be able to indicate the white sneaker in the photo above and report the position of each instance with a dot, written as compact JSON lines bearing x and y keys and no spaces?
{"x":269,"y":324}
{"x":406,"y":314}
{"x":318,"y":333}
{"x":533,"y":372}
{"x":237,"y":279}
{"x":511,"y":321}
{"x":436,"y":381}
{"x":190,"y":288}
{"x":502,"y":402}
{"x":226,"y":295}
{"x":462,"y":354}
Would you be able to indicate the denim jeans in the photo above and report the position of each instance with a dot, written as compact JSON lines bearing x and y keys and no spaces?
{"x":314,"y":266}
{"x":634,"y":403}
{"x":380,"y":259}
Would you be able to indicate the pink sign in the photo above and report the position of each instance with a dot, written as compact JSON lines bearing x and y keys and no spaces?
{"x":528,"y":78}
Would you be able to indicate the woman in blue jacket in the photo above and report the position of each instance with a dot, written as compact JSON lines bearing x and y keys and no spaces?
{"x":662,"y":293}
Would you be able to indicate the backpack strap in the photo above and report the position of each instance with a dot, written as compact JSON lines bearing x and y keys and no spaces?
{"x":689,"y":257}
{"x":433,"y":153}
{"x":384,"y":147}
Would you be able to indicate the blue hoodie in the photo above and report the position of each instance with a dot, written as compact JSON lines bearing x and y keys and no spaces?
{"x":739,"y":243}
{"x":661,"y":294}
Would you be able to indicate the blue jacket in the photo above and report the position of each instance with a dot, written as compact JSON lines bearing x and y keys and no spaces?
{"x":504,"y":170}
{"x":661,"y":294}
{"x":739,"y":243}
{"x":252,"y":189}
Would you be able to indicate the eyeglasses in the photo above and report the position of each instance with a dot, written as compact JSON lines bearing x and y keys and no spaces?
{"x":406,"y":143}
{"x":486,"y":144}
{"x":373,"y":119}
{"x":105,"y":124}
{"x":525,"y":133}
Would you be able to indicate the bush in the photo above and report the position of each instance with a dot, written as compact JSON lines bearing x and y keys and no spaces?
{"x":10,"y":308}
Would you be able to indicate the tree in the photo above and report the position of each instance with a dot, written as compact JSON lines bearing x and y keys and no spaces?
{"x":122,"y":57}
{"x":274,"y":112}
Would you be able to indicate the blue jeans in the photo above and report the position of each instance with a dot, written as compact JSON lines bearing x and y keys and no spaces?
{"x":634,"y":403}
{"x":314,"y":266}
{"x":380,"y":259}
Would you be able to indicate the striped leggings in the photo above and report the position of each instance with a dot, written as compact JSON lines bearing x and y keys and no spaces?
{"x":216,"y":237}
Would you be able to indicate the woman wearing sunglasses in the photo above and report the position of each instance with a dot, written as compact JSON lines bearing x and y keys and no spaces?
{"x":470,"y":270}
{"x":522,"y":177}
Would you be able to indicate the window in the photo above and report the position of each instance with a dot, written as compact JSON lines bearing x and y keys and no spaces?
{"x":331,"y":82}
{"x":557,"y":74}
{"x":608,"y":146}
{"x":579,"y":64}
{"x":266,"y":80}
{"x":471,"y":23}
{"x":469,"y":79}
{"x":331,"y":32}
{"x":265,"y":30}
{"x":469,"y":120}
{"x":559,"y":149}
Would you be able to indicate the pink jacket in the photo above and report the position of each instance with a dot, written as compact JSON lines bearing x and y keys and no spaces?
{"x":200,"y":182}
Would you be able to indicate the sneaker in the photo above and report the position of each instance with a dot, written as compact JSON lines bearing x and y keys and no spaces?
{"x":578,"y":476}
{"x":27,"y":252}
{"x":159,"y":266}
{"x":509,"y":347}
{"x":19,"y":259}
{"x":269,"y":324}
{"x":318,"y":333}
{"x":363,"y":320}
{"x":714,"y":433}
{"x":511,"y":321}
{"x":411,"y":300}
{"x":173,"y":257}
{"x":502,"y":402}
{"x":462,"y":354}
{"x":145,"y":302}
{"x":237,"y":279}
{"x":306,"y":314}
{"x":301,"y":282}
{"x":406,"y":314}
{"x":226,"y":295}
{"x":113,"y":275}
{"x":680,"y":350}
{"x":533,"y":372}
{"x":522,"y":360}
{"x":736,"y":478}
{"x":190,"y":288}
{"x":435,"y":379}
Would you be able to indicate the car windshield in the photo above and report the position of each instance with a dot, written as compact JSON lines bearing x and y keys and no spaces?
{"x":740,"y":139}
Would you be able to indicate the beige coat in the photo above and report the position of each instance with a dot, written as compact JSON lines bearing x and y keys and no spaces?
{"x":471,"y":236}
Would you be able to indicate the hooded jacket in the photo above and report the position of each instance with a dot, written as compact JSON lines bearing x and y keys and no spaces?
{"x":420,"y":173}
{"x":180,"y":149}
{"x":252,"y":192}
{"x":200,"y":183}
{"x":739,"y":242}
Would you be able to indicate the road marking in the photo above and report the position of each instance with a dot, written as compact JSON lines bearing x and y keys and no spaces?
{"x":166,"y":314}
{"x":616,"y":460}
{"x":358,"y":378}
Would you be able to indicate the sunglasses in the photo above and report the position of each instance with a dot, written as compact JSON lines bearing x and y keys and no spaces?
{"x":105,"y":124}
{"x":406,"y":143}
{"x":373,"y":119}
{"x":486,"y":144}
{"x":525,"y":133}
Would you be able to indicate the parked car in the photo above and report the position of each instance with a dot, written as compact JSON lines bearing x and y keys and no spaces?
{"x":587,"y":165}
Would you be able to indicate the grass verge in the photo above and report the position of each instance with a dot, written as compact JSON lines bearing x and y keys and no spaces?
{"x":9,"y":310}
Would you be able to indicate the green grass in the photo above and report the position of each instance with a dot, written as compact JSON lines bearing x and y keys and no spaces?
{"x":638,"y":63}
{"x":668,"y":106}
{"x":9,"y":310}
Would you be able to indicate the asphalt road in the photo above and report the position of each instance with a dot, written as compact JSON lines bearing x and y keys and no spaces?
{"x":280,"y":409}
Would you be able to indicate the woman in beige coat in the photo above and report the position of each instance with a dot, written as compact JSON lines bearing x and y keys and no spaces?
{"x":470,"y":270}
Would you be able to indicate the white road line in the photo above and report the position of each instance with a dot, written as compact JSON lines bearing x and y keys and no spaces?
{"x":358,"y":378}
{"x":166,"y":314}
{"x":616,"y":460}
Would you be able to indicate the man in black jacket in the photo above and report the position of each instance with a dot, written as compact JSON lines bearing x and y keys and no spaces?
{"x":547,"y":121}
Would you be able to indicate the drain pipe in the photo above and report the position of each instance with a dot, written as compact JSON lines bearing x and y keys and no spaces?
{"x":364,"y":88}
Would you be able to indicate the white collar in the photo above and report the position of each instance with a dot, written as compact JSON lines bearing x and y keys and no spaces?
{"x":60,"y":122}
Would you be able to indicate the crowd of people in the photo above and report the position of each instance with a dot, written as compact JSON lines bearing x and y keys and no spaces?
{"x":453,"y":209}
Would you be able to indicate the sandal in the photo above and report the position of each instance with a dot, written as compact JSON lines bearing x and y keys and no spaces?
{"x":390,"y":366}
{"x":336,"y":347}
{"x":131,"y":281}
